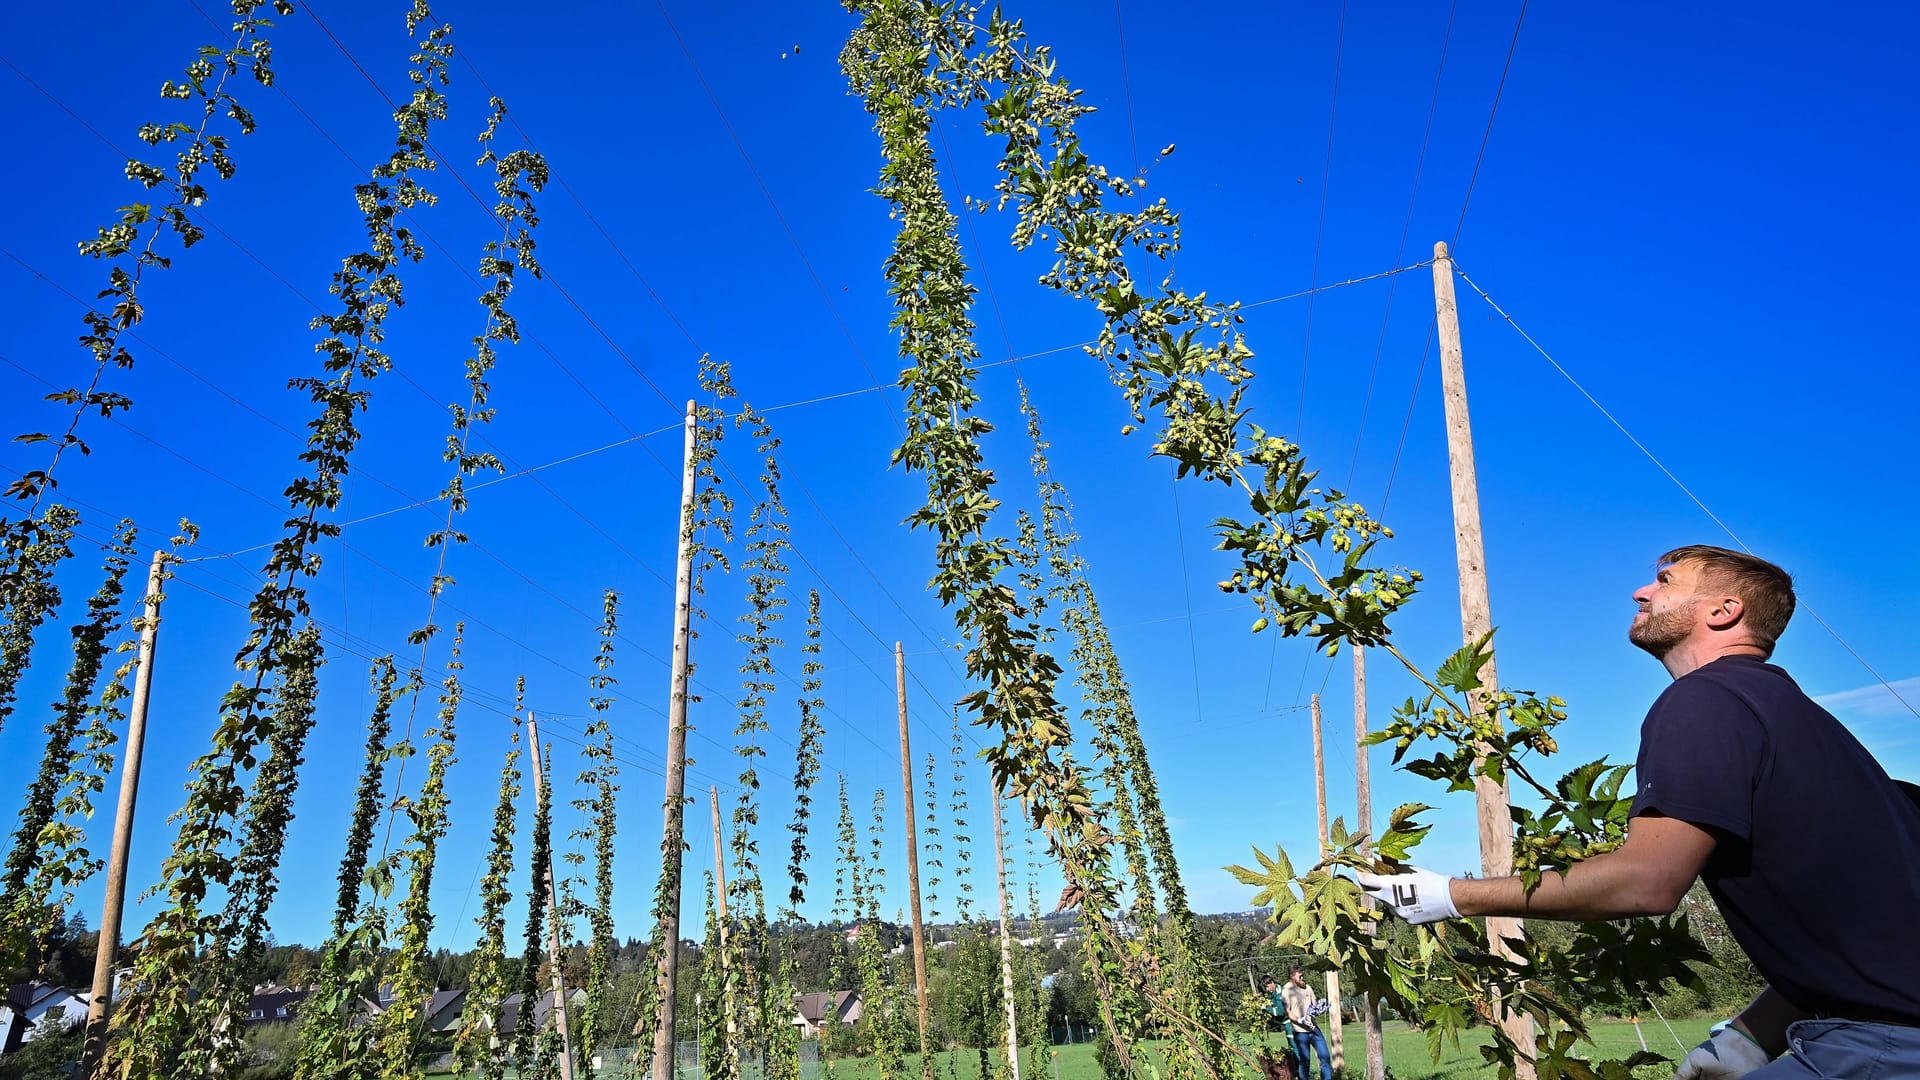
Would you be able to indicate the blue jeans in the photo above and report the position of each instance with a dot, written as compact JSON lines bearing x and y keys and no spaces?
{"x":1304,"y":1041}
{"x":1846,"y":1049}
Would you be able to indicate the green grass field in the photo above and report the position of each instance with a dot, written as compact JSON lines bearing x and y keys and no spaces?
{"x":1406,"y":1054}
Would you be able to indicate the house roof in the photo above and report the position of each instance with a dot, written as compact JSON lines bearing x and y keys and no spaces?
{"x":269,"y":1002}
{"x":542,"y":1007}
{"x":814,"y":1007}
{"x":24,"y":996}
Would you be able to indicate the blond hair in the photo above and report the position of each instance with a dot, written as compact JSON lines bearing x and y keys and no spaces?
{"x":1765,"y":590}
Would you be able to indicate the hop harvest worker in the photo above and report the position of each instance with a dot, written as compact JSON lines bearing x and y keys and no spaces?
{"x":1301,"y":1026}
{"x":1275,"y":1009}
{"x":1810,"y":850}
{"x":1275,"y":1015}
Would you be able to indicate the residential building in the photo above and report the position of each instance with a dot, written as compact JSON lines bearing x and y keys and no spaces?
{"x":814,"y":1012}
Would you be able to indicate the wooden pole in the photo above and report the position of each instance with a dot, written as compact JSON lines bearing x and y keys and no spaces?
{"x":720,"y":901}
{"x":100,"y":1004}
{"x":1336,"y":1044}
{"x":558,"y":979}
{"x":672,"y":839}
{"x":913,"y":854}
{"x":1006,"y":939}
{"x":1319,"y":776}
{"x":1476,"y":617}
{"x":1336,"y":1018}
{"x":1369,"y":1008}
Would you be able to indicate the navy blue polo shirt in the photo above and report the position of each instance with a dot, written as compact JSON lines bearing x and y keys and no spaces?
{"x":1818,"y":866}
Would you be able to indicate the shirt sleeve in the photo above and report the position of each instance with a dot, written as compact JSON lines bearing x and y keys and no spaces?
{"x":1702,"y":750}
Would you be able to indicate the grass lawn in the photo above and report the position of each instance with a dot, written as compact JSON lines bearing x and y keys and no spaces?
{"x":1406,"y":1054}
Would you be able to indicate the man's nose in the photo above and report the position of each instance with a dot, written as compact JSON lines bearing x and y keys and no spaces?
{"x":1643,"y":594}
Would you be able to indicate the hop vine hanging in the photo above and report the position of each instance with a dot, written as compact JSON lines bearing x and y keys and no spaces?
{"x":1128,"y":775}
{"x":49,"y":849}
{"x":807,"y":756}
{"x":765,"y":565}
{"x":399,"y":1029}
{"x":131,"y":245}
{"x":474,"y":1047}
{"x":885,"y":64}
{"x":1304,"y":556}
{"x":264,"y":712}
{"x":32,"y":544}
{"x":331,"y":1042}
{"x":600,"y":777}
{"x":28,"y":593}
{"x":539,"y":867}
{"x":962,"y":843}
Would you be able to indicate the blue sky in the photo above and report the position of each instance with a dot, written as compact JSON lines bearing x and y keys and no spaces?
{"x":1705,"y":218}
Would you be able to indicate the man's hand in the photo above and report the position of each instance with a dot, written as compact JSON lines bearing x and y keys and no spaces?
{"x":1418,"y":896}
{"x":1728,"y":1055}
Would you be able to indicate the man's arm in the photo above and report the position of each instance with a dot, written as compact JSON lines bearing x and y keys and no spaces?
{"x":1766,"y":1020}
{"x":1647,"y":875}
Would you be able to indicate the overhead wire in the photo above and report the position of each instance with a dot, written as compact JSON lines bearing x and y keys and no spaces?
{"x":649,"y":382}
{"x":1173,"y":475}
{"x":1487,"y":134}
{"x":547,"y":273}
{"x":558,"y":178}
{"x":416,"y":386}
{"x":369,"y":650}
{"x":1676,"y":481}
{"x":773,"y":204}
{"x":412,"y":504}
{"x":1400,"y":252}
{"x":1306,"y":346}
{"x":283,"y":281}
{"x":488,"y":627}
{"x":273,"y":273}
{"x":475,"y":696}
{"x":255,"y":495}
{"x":1320,"y":221}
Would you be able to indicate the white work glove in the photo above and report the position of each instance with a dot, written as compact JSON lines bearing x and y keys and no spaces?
{"x":1418,"y":896}
{"x":1728,"y":1055}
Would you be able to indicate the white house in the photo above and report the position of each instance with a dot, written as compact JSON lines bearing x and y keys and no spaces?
{"x":34,"y":1009}
{"x":813,"y":1012}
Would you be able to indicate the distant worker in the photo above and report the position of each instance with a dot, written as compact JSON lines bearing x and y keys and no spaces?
{"x":1276,"y":1006}
{"x":1810,"y":850}
{"x":1274,"y":1013}
{"x":1301,"y":1025}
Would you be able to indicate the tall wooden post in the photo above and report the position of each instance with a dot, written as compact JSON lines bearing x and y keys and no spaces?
{"x":1337,"y":1044}
{"x":1319,"y":777}
{"x":1363,"y":820}
{"x":553,"y":925}
{"x":672,"y":839}
{"x":913,"y":855}
{"x":1336,"y":1020}
{"x":727,"y":1003}
{"x":1006,"y":938}
{"x":101,"y":1003}
{"x":1476,"y":617}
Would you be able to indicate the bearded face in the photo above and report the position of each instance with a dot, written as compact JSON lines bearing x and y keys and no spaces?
{"x":1663,"y":625}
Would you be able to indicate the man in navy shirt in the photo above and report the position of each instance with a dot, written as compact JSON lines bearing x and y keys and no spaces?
{"x":1811,"y":851}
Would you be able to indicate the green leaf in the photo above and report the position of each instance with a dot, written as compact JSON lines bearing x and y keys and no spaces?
{"x":1461,"y":672}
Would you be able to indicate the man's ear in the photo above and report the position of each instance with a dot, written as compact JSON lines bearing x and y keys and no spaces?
{"x":1725,"y":613}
